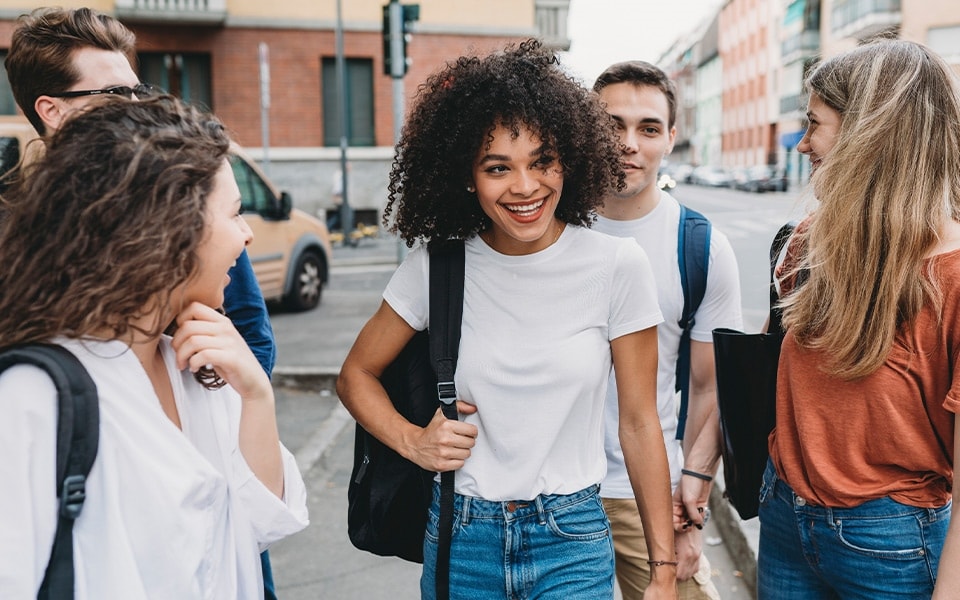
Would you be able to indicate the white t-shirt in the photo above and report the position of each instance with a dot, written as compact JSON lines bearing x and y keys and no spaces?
{"x":168,"y":513}
{"x":656,"y":232}
{"x":535,"y":355}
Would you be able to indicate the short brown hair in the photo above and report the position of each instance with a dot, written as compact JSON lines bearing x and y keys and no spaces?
{"x":39,"y":61}
{"x":640,"y":73}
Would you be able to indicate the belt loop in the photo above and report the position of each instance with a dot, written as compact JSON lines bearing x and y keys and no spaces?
{"x":932,"y":515}
{"x":540,"y":512}
{"x":465,"y":510}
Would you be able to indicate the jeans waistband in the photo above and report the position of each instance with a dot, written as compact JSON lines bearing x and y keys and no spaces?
{"x":472,"y":507}
{"x":877,"y":508}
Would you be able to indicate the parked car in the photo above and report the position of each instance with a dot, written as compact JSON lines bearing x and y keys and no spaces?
{"x":680,"y":172}
{"x":291,"y":249}
{"x":666,"y":182}
{"x":761,"y":178}
{"x":712,"y":176}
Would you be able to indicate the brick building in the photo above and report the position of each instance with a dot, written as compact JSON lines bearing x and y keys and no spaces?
{"x":209,"y":52}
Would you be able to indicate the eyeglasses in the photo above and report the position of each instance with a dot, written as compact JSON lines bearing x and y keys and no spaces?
{"x":141,"y":91}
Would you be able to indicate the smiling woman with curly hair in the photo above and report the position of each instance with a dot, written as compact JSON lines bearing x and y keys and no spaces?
{"x":457,"y":109}
{"x":509,"y":154}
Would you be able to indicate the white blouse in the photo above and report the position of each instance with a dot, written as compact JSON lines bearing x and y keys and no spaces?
{"x":168,"y":513}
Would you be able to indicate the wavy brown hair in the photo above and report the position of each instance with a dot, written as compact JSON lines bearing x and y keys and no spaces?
{"x":886,"y":188}
{"x":100,"y":230}
{"x":454,"y":113}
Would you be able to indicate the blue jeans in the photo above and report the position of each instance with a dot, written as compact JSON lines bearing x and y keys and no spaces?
{"x":881,"y":549}
{"x":554,"y":547}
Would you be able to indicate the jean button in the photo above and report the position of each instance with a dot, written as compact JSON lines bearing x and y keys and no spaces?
{"x":801,"y":501}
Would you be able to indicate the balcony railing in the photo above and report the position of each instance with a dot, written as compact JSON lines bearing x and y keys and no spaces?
{"x":196,"y":12}
{"x":551,"y":19}
{"x":790,"y":104}
{"x":800,"y":45}
{"x":862,"y":18}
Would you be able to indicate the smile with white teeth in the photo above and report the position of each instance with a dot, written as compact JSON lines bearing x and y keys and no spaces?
{"x":524,"y":210}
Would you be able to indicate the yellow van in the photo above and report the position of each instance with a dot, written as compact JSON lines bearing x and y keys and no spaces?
{"x":290,"y":251}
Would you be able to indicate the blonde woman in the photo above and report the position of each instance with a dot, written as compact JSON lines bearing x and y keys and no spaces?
{"x":856,"y":500}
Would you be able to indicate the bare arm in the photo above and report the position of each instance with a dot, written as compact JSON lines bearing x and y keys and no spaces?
{"x":635,"y":364}
{"x":442,"y":445}
{"x":701,"y":443}
{"x":701,"y":451}
{"x":948,"y":576}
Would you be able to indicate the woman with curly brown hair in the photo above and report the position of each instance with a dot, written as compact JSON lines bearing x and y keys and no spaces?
{"x":123,"y":230}
{"x":511,"y":155}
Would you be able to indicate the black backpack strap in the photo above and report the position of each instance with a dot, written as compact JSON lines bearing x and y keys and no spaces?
{"x":693,"y":258}
{"x":774,"y":324}
{"x":78,"y":434}
{"x":446,"y":313}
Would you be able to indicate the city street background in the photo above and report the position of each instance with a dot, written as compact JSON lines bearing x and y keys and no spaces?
{"x":320,"y":562}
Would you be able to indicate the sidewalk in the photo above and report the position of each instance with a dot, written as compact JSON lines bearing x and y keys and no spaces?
{"x":339,"y":317}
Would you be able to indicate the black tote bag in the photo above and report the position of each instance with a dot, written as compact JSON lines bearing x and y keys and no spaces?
{"x":746,"y":366}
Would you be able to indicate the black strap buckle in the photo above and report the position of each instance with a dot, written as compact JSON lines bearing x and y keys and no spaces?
{"x":447,"y":392}
{"x":72,"y":496}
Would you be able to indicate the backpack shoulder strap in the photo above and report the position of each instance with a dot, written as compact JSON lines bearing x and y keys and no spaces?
{"x":446,"y":315}
{"x":78,"y":434}
{"x":693,"y":258}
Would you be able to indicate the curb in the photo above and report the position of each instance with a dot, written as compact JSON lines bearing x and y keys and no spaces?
{"x":306,"y":378}
{"x":728,"y":522}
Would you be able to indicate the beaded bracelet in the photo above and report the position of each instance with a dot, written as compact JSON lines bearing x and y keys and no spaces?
{"x":660,"y":563}
{"x":697,"y":475}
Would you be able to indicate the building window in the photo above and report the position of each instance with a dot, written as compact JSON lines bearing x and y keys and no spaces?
{"x":186,"y":76}
{"x":945,"y":41}
{"x":359,"y":83}
{"x":8,"y":106}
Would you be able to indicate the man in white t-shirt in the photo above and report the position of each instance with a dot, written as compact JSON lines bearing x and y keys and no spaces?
{"x":642,"y":101}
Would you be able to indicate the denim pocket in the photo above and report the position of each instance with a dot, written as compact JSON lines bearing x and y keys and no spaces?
{"x":767,"y":484}
{"x":432,"y":530}
{"x":582,"y":521}
{"x":898,"y":537}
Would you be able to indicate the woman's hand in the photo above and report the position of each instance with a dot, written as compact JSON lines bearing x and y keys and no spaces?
{"x":206,"y":337}
{"x":444,"y":444}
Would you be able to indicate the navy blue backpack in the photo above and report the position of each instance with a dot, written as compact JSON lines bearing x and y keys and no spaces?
{"x":693,"y":256}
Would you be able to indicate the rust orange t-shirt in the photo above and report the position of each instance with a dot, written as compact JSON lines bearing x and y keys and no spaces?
{"x":839,"y":443}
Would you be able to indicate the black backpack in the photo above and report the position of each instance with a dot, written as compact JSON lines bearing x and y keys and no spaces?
{"x":78,"y":434}
{"x":388,"y":496}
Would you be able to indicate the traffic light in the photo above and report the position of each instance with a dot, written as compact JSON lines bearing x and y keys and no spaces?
{"x":396,"y":33}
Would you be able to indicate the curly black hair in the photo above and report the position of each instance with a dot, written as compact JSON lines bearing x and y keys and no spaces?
{"x":454,"y":113}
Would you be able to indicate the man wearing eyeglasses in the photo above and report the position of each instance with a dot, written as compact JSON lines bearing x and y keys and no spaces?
{"x":60,"y":59}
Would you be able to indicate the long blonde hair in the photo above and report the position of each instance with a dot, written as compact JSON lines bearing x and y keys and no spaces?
{"x":887,"y":186}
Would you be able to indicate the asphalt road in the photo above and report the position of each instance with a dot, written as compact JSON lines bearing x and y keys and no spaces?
{"x":320,"y":562}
